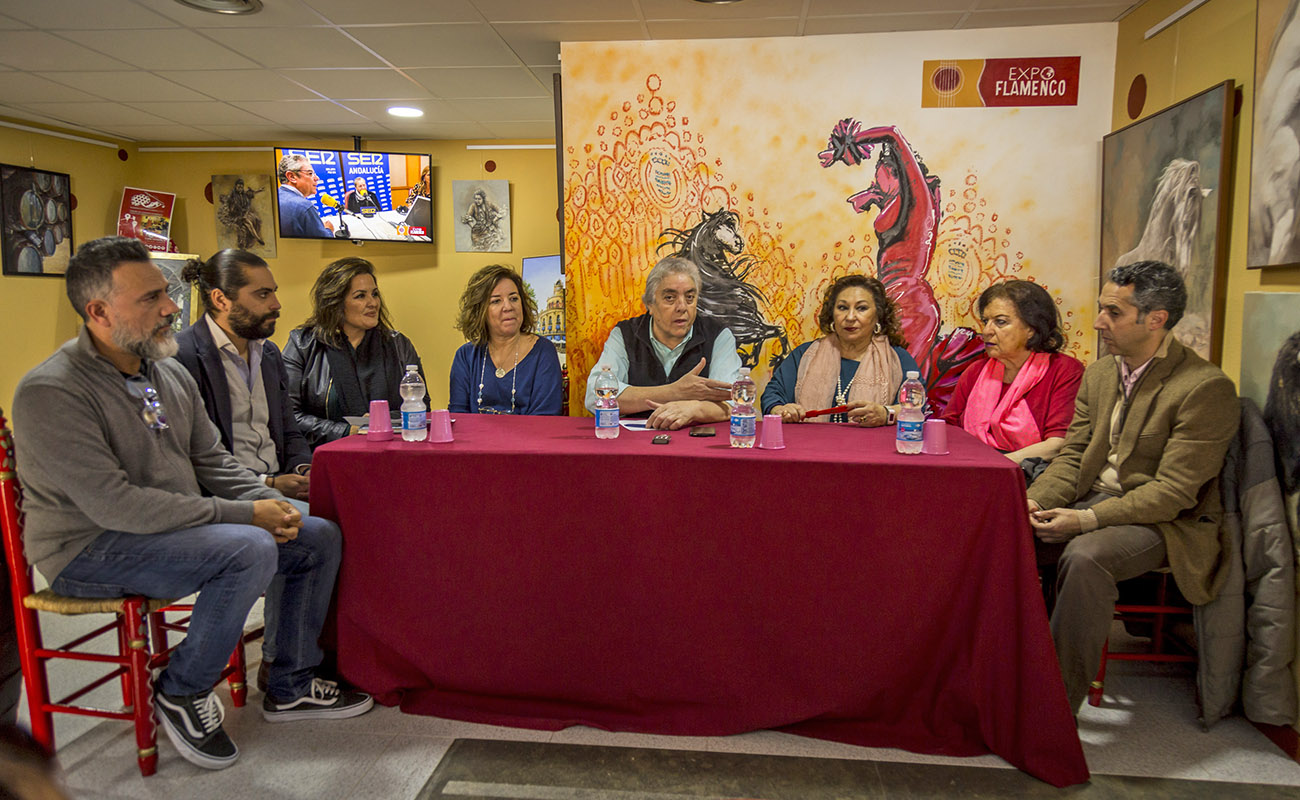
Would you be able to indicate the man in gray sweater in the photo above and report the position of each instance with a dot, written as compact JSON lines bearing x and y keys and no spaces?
{"x":115,"y":454}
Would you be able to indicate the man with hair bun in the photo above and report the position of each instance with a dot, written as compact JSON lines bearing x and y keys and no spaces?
{"x":1135,"y":486}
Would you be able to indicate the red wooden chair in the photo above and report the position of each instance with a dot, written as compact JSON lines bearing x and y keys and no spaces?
{"x":135,"y":660}
{"x":1163,"y":647}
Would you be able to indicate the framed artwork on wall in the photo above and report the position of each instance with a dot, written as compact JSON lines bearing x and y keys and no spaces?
{"x":244,"y":213}
{"x":1162,"y":199}
{"x":182,"y":294}
{"x":36,"y":209}
{"x":1273,"y":236}
{"x":482,"y":211}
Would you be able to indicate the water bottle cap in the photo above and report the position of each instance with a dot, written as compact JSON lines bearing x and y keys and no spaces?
{"x":412,"y":368}
{"x":913,"y":374}
{"x":744,"y":371}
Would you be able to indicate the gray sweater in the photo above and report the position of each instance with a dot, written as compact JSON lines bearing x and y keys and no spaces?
{"x":88,"y":463}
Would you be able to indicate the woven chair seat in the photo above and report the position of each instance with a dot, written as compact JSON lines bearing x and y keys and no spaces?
{"x":47,"y":600}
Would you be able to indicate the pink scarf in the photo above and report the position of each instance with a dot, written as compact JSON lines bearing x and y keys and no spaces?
{"x":1005,"y":423}
{"x":876,"y":381}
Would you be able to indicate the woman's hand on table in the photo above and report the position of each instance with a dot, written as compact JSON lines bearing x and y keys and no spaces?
{"x":868,"y":415}
{"x":790,"y":412}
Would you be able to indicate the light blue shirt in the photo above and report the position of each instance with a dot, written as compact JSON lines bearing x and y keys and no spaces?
{"x":246,"y":369}
{"x":724,"y":364}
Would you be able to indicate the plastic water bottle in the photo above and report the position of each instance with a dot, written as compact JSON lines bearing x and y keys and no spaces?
{"x":606,"y":405}
{"x":415,"y":421}
{"x":911,"y":414}
{"x":743,"y":418}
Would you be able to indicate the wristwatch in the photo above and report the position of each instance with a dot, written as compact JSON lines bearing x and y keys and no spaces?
{"x":891,"y":415}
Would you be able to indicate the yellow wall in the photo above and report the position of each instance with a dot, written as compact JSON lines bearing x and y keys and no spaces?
{"x":1212,"y":44}
{"x":421,"y":283}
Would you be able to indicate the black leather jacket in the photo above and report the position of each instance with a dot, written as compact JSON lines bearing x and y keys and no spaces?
{"x":320,"y":415}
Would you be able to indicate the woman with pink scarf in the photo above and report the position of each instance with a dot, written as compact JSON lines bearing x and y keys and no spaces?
{"x":859,"y":363}
{"x":1019,"y":397}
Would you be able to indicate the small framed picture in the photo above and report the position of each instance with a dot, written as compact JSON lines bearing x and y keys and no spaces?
{"x":36,"y":209}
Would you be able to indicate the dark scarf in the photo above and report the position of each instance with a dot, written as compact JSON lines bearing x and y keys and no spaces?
{"x":369,"y":372}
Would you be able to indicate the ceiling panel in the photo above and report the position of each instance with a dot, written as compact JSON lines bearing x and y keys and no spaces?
{"x":395,"y":12}
{"x":24,"y":87}
{"x":163,"y":133}
{"x":357,"y":83}
{"x":989,"y":5}
{"x":554,"y":10}
{"x":249,"y":133}
{"x":125,"y":86}
{"x":1039,"y":16}
{"x":241,"y":84}
{"x":287,"y":13}
{"x":818,"y":8}
{"x":35,"y":50}
{"x":522,"y":109}
{"x":440,"y":45}
{"x":547,"y":76}
{"x":539,"y":42}
{"x":716,"y":29}
{"x":201,"y":113}
{"x":434,"y":110}
{"x":295,"y":47}
{"x":161,"y":49}
{"x":750,"y":9}
{"x":97,"y":114}
{"x":878,"y":23}
{"x":8,"y":23}
{"x":302,"y":112}
{"x":437,"y":130}
{"x":480,"y":81}
{"x":73,"y":15}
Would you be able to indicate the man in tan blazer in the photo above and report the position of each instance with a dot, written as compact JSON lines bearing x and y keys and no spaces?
{"x":1135,"y":486}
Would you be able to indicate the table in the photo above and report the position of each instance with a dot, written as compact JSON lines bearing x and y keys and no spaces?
{"x":529,"y":574}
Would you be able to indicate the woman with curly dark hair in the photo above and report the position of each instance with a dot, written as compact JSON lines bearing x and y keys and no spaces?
{"x":860,"y":362}
{"x":504,"y":368}
{"x":1019,"y":398}
{"x":346,"y":354}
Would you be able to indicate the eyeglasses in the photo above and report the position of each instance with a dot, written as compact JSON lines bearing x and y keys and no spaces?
{"x":151,"y":410}
{"x":302,"y":171}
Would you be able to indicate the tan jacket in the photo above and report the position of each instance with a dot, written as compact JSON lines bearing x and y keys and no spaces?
{"x":1181,"y":417}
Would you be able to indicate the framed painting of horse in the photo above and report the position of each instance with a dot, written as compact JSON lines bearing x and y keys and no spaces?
{"x":1162,"y":198}
{"x":1273,"y":237}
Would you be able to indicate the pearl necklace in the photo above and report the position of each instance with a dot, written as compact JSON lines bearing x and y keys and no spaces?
{"x":842,"y":397}
{"x":501,"y":373}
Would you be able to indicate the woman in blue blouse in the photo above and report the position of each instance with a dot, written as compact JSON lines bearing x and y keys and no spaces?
{"x":860,"y":362}
{"x":504,"y":368}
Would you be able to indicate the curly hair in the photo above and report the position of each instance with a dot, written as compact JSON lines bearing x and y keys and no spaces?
{"x":472,"y":319}
{"x":1156,"y":286}
{"x":1035,"y":308}
{"x":328,"y":295}
{"x":886,"y":311}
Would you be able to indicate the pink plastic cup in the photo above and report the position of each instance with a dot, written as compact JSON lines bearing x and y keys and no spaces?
{"x":381,"y":425}
{"x":771,"y":437}
{"x":935,"y":437}
{"x":440,"y":425}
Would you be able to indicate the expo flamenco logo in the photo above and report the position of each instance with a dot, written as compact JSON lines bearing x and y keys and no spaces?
{"x":660,"y":173}
{"x":142,"y":200}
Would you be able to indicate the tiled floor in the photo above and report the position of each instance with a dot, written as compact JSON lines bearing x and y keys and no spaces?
{"x":1146,"y":727}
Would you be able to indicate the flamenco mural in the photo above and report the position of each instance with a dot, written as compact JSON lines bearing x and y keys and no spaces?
{"x":763,"y":187}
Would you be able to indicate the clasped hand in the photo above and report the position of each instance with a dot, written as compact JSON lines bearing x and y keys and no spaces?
{"x":692,"y":387}
{"x":278,"y":518}
{"x":1054,"y":525}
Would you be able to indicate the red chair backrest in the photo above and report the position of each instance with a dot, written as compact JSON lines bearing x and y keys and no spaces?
{"x":11,"y":516}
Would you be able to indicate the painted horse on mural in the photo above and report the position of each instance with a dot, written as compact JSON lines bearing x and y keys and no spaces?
{"x":715,"y":245}
{"x":906,"y":196}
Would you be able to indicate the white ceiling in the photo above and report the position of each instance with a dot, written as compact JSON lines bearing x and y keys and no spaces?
{"x":157,"y":71}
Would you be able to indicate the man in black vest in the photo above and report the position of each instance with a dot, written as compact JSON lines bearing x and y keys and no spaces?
{"x":667,"y":361}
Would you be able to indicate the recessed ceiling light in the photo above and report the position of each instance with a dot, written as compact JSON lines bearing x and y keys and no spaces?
{"x":405,"y":111}
{"x":224,"y":6}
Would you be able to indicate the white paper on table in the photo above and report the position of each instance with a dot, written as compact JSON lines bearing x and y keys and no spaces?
{"x":634,"y":425}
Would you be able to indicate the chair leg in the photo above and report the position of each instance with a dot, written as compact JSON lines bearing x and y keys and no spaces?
{"x":146,"y":731}
{"x":238,"y":675}
{"x":157,"y":633}
{"x":1098,"y":685}
{"x":124,"y":650}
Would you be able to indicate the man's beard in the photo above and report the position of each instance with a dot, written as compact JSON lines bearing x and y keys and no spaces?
{"x":245,"y":325}
{"x":148,"y":347}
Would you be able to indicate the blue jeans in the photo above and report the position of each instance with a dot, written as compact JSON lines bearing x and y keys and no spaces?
{"x":229,"y":566}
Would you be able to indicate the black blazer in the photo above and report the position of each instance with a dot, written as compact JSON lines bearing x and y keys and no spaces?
{"x":200,"y":356}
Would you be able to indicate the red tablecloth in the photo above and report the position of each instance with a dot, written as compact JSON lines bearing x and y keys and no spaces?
{"x":530,"y":574}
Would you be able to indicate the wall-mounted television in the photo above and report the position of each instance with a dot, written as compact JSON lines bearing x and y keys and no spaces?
{"x":355,"y":195}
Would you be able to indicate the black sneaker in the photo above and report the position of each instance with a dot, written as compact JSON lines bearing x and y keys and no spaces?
{"x":323,"y":700}
{"x":193,"y":723}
